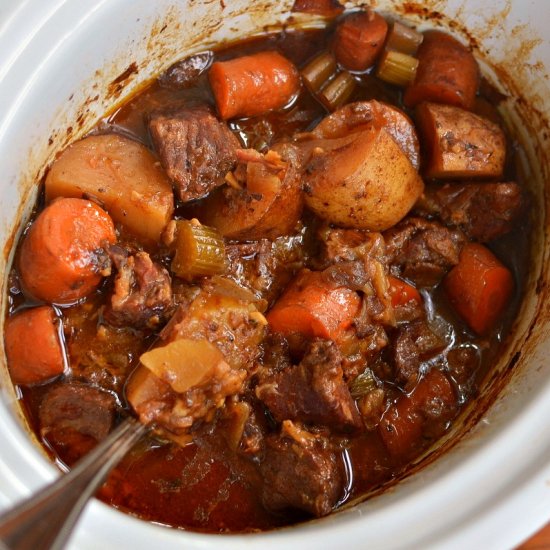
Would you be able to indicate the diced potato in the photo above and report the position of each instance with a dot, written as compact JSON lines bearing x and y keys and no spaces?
{"x":459,"y":143}
{"x":183,"y":363}
{"x":361,"y":181}
{"x":122,"y":175}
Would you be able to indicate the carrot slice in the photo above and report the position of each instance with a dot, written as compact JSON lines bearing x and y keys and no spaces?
{"x":479,"y":287}
{"x":447,"y":73}
{"x":61,"y":255}
{"x":33,"y":347}
{"x":359,"y":39}
{"x":402,"y":293}
{"x":253,"y":84}
{"x":314,"y":307}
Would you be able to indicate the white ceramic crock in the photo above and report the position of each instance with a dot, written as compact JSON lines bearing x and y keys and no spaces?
{"x":59,"y":63}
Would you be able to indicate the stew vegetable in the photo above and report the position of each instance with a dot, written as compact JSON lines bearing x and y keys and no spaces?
{"x":296,"y":256}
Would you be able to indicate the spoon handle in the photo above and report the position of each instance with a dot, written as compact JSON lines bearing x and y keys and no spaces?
{"x":46,"y":519}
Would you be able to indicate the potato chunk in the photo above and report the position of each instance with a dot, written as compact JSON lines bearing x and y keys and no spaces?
{"x":351,"y":117}
{"x":460,"y":144}
{"x":361,"y":181}
{"x":270,"y":205}
{"x":122,"y":175}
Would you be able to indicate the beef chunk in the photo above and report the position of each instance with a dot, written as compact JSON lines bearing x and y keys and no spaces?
{"x":265,"y":266}
{"x":195,"y":149}
{"x":300,"y":472}
{"x":423,"y":251}
{"x":312,"y":392}
{"x":142,"y":295}
{"x":484,"y":211}
{"x":414,"y":343}
{"x":75,"y":417}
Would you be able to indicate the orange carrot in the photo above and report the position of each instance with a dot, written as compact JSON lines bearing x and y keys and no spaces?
{"x":402,"y":293}
{"x":61,"y":252}
{"x":447,"y":73}
{"x":402,"y":425}
{"x":359,"y":39}
{"x":479,"y":287}
{"x":314,"y":307}
{"x":253,"y":84}
{"x":33,"y":347}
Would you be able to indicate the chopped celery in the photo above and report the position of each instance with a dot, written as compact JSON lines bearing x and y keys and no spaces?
{"x":397,"y":68}
{"x":318,"y":71}
{"x":200,"y":250}
{"x":403,"y":39}
{"x":337,"y":91}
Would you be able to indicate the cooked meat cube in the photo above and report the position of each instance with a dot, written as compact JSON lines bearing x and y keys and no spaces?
{"x":312,"y":392}
{"x":265,"y":266}
{"x":460,"y":144}
{"x":483,"y":211}
{"x":423,"y":251}
{"x":195,"y":149}
{"x":300,"y":471}
{"x":142,"y":294}
{"x":414,"y":343}
{"x":74,"y":417}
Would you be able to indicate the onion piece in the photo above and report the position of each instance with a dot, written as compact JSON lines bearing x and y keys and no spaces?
{"x":183,"y":363}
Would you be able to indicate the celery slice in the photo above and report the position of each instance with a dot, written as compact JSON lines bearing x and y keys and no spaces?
{"x":397,"y":68}
{"x":318,"y":71}
{"x":200,"y":251}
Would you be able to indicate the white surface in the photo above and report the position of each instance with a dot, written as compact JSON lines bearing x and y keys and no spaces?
{"x":491,"y":491}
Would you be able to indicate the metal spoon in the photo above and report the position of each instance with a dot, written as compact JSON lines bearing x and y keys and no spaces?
{"x":46,"y":520}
